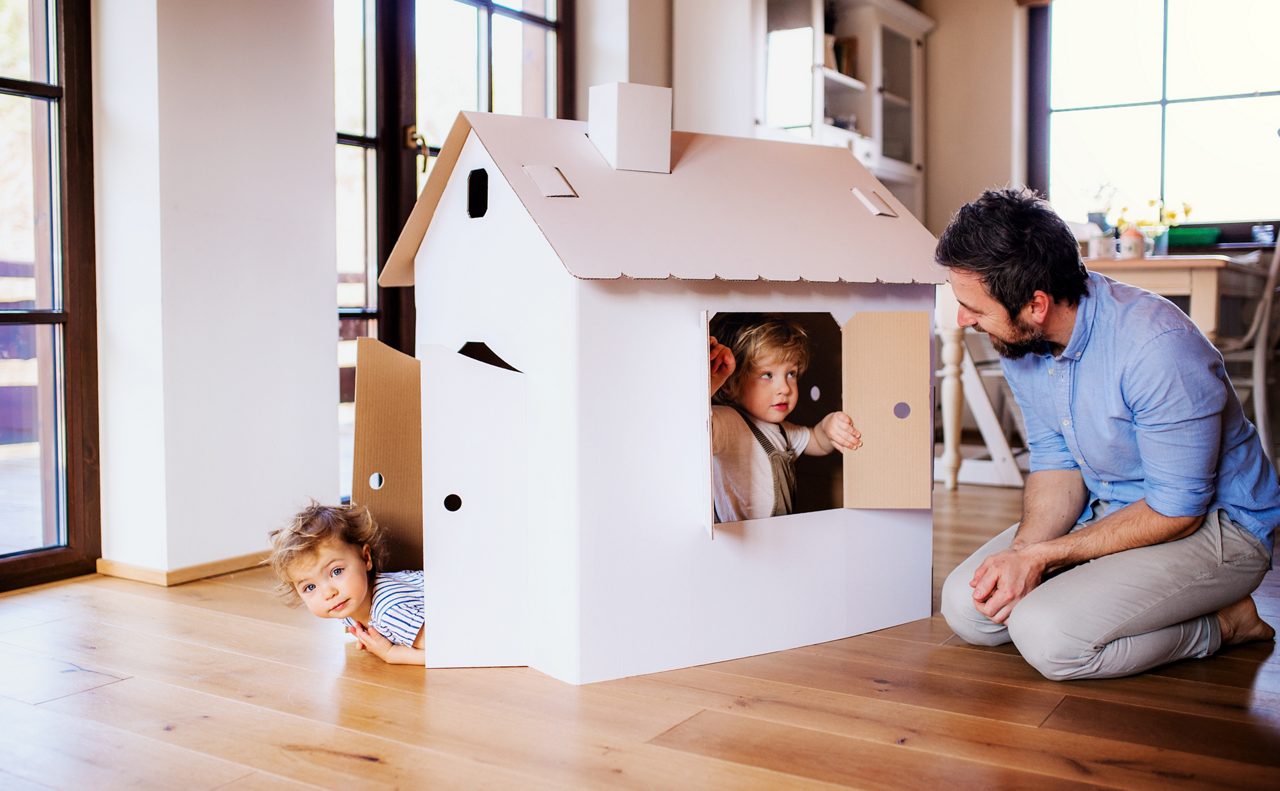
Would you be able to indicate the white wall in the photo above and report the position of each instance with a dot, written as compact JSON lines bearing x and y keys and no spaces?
{"x":714,"y":76}
{"x":620,"y":41}
{"x":975,"y":111}
{"x":214,"y":155}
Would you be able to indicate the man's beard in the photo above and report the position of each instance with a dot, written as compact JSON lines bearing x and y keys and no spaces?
{"x":1029,"y":340}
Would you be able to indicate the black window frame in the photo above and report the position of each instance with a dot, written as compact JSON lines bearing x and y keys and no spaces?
{"x":77,"y":315}
{"x":1235,"y":235}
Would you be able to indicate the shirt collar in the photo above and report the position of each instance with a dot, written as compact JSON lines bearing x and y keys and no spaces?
{"x":1086,"y":308}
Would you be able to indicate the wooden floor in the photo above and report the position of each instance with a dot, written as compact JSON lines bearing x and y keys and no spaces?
{"x":114,"y":684}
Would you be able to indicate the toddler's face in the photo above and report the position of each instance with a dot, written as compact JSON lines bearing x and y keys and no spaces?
{"x":333,"y":581}
{"x":770,"y":389}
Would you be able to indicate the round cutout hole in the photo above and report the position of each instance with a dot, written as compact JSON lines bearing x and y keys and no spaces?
{"x":452,"y":503}
{"x":814,"y":393}
{"x":376,"y":480}
{"x":901,"y":410}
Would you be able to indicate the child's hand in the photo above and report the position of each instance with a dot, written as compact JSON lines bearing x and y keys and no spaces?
{"x":838,"y":430}
{"x":371,"y":640}
{"x":722,"y":365}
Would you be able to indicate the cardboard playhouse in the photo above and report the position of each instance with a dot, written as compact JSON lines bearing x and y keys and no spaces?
{"x":560,"y":477}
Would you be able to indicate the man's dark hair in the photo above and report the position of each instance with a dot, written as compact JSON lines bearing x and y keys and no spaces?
{"x":1015,"y":242}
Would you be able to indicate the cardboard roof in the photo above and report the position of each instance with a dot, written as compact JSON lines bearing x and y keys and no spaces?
{"x":731,"y":208}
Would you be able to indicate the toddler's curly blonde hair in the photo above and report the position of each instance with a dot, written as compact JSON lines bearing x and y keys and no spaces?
{"x":314,"y":525}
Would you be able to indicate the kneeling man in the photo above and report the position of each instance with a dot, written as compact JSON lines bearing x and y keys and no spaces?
{"x":1148,"y":513}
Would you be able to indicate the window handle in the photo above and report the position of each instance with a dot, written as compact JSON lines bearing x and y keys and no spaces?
{"x":417,"y":143}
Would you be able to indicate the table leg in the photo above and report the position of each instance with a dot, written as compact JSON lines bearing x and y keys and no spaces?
{"x":952,"y":402}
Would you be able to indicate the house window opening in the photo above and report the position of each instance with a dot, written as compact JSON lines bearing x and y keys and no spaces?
{"x":477,"y":193}
{"x":787,"y":379}
{"x":480,"y":352}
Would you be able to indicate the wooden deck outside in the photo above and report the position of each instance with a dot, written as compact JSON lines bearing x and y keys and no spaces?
{"x":114,"y":684}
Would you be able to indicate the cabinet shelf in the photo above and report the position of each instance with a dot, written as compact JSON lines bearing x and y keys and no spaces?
{"x":895,"y":100}
{"x":838,"y":78}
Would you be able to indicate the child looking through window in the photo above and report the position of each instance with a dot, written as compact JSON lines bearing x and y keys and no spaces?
{"x":755,"y":376}
{"x":328,"y":559}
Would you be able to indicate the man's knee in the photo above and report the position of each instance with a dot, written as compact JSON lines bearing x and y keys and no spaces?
{"x":1043,"y":637}
{"x":963,"y":618}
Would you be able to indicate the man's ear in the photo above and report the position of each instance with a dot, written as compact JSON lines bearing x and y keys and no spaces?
{"x":1038,"y":308}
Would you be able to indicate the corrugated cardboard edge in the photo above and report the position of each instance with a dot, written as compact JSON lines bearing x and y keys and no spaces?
{"x":887,"y":361}
{"x":388,"y":441}
{"x":399,"y":268}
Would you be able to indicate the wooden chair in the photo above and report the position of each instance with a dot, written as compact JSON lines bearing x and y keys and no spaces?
{"x":1255,"y":351}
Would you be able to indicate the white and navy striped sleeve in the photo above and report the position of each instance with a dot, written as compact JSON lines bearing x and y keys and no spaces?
{"x":398,"y":607}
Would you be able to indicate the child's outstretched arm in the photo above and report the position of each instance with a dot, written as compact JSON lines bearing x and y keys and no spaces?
{"x":722,"y":365}
{"x":373,"y":642}
{"x":836,"y":431}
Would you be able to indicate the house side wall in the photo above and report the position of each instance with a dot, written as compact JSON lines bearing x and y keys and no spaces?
{"x":657,"y":591}
{"x":495,"y":280}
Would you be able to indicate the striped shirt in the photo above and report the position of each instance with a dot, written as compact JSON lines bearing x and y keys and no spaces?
{"x":398,"y":610}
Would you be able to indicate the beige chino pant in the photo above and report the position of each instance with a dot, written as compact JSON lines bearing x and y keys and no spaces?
{"x":1123,"y":613}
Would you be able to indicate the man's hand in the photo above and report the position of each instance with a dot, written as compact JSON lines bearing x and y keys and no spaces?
{"x":722,"y":365}
{"x":371,"y":640}
{"x":1003,"y":580}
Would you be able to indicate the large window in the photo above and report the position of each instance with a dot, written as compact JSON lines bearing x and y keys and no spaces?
{"x":49,"y":524}
{"x":403,"y":71}
{"x":1173,"y":100}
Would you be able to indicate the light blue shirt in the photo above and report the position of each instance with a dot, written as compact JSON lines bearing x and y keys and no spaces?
{"x":1139,"y":401}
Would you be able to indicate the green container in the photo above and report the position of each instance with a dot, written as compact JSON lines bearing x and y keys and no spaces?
{"x":1193,"y":237}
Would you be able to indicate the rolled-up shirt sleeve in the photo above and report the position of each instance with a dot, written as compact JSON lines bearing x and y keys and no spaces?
{"x":1175,"y":387}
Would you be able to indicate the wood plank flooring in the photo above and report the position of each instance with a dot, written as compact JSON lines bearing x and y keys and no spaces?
{"x":108,"y":684}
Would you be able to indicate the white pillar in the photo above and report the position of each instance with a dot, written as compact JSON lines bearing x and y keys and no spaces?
{"x":214,"y":182}
{"x":620,"y":41}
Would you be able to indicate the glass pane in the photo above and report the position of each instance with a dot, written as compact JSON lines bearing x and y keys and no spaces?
{"x":520,"y":54}
{"x":1223,"y":158}
{"x":348,"y":331}
{"x":1224,"y":47}
{"x":24,"y":40}
{"x":1105,"y":52}
{"x":788,"y":88}
{"x":542,"y":8}
{"x":356,"y":219}
{"x":28,"y":270}
{"x":31,"y":472}
{"x":351,"y":66}
{"x":1103,"y":160}
{"x":449,"y":75}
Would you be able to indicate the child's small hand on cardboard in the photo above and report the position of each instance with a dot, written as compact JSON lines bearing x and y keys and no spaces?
{"x":722,"y":365}
{"x":840,"y":431}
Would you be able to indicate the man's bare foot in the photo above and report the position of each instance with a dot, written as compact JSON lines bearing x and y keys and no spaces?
{"x":1239,"y":623}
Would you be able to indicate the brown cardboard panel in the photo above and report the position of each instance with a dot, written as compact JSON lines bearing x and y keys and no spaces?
{"x":887,"y":372}
{"x":388,"y":442}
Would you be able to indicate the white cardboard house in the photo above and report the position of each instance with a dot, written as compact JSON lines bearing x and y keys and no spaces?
{"x":566,"y":505}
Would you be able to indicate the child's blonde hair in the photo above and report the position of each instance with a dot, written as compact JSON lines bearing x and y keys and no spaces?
{"x":752,"y":338}
{"x":314,"y":525}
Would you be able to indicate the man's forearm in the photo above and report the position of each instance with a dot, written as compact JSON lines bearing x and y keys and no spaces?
{"x":1135,"y":525}
{"x":1052,"y":501}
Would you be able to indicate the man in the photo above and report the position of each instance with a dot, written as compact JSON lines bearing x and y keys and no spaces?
{"x":1148,"y":513}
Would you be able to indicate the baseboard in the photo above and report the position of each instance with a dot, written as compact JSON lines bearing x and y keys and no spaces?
{"x":114,"y":568}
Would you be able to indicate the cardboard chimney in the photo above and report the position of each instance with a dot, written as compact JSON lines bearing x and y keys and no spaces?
{"x":562,"y":488}
{"x":630,"y":125}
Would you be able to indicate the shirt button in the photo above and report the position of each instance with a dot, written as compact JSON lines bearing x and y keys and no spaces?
{"x":1066,"y":421}
{"x":1051,"y":372}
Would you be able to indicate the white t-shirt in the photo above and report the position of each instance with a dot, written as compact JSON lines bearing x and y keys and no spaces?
{"x":741,"y":476}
